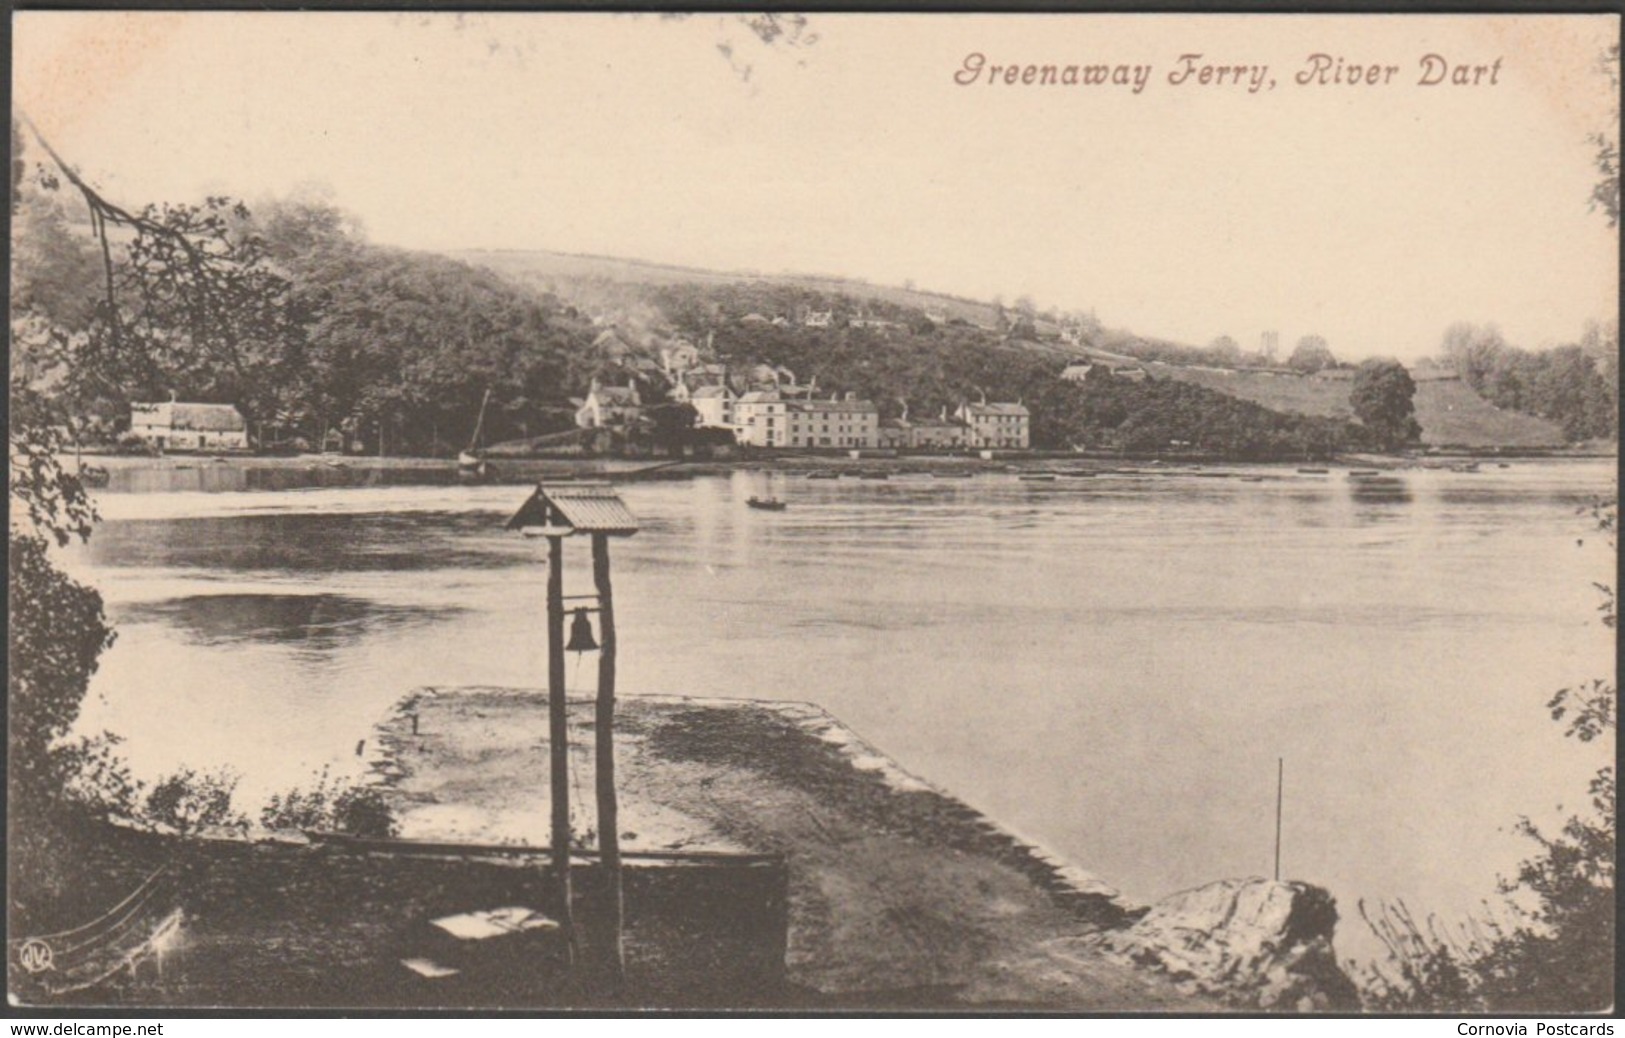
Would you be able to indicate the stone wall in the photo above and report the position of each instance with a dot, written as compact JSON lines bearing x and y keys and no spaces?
{"x":330,"y":923}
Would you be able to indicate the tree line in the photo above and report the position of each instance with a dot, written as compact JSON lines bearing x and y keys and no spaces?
{"x":289,"y":314}
{"x":1575,"y":385}
{"x":933,"y":367}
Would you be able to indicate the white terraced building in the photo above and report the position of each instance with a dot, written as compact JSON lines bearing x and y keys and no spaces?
{"x":833,"y":423}
{"x":766,"y":419}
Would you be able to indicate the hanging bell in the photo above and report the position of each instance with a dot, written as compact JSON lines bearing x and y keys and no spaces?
{"x":581,"y":639}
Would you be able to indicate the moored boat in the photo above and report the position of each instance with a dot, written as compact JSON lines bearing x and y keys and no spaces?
{"x":473,"y":457}
{"x":767,"y":504}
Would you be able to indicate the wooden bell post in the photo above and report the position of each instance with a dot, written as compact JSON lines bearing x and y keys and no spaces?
{"x":558,"y":511}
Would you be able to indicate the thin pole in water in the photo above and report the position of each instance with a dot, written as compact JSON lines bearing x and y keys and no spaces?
{"x":1280,"y":777}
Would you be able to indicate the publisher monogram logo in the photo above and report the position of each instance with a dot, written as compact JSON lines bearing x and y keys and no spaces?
{"x":35,"y":956}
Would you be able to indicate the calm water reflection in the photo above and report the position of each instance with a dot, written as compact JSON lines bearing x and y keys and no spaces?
{"x":1109,"y":665}
{"x":316,"y":623}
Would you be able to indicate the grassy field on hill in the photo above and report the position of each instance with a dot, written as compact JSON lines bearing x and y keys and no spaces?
{"x":538,"y":266}
{"x":1450,"y":413}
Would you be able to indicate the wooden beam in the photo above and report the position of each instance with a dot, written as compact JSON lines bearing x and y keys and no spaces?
{"x":558,"y":739}
{"x":609,"y":837}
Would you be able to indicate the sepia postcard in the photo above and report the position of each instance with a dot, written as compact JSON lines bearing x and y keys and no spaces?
{"x":864,"y":513}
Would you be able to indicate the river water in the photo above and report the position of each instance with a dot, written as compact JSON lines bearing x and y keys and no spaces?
{"x":1109,"y":666}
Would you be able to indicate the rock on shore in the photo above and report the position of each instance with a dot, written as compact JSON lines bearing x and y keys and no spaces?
{"x":1254,"y":943}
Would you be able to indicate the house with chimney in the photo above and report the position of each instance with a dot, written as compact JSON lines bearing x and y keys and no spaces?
{"x":923,"y":433}
{"x":609,"y":406}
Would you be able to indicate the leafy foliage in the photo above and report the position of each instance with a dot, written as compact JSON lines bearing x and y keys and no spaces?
{"x":934,"y":368}
{"x":1561,"y":955}
{"x":401,"y":347}
{"x":1311,"y":354}
{"x":189,"y":801}
{"x":99,"y":779}
{"x":56,"y":632}
{"x":290,"y":316}
{"x":1429,"y":966}
{"x":1156,"y":414}
{"x":1223,"y":352}
{"x":1605,"y":193}
{"x":185,"y":301}
{"x":47,"y":501}
{"x":193,"y":304}
{"x":1575,"y":385}
{"x":332,"y":806}
{"x":1383,"y":398}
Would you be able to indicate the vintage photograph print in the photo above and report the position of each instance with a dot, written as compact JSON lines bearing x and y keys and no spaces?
{"x":835,"y":512}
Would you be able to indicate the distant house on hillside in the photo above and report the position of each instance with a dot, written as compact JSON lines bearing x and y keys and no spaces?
{"x":645,"y":368}
{"x":705,"y":375}
{"x":818,"y":318}
{"x":174,"y":425}
{"x":607,"y":406}
{"x":1431,"y":371}
{"x":863,"y":320}
{"x":1080,"y":372}
{"x":679,"y":357}
{"x":996,"y":425}
{"x":613,"y":344}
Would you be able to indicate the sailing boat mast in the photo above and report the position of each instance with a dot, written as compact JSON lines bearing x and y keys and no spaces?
{"x":471,"y":456}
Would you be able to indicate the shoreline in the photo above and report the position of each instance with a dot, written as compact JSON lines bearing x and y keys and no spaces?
{"x":542,"y":467}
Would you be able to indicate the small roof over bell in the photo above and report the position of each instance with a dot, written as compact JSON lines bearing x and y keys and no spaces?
{"x":561,"y":509}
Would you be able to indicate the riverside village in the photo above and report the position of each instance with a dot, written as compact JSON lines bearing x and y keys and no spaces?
{"x":558,"y":599}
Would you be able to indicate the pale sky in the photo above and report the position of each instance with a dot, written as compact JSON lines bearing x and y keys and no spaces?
{"x":1375,"y":215}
